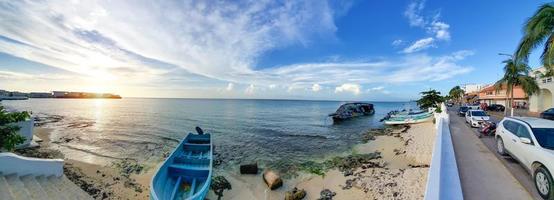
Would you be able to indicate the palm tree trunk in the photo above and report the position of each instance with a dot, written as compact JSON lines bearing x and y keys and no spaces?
{"x":512,"y":101}
{"x":506,"y":102}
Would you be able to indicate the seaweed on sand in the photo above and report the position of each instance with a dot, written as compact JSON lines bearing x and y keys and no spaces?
{"x":344,"y":164}
{"x":129,"y":166}
{"x":219,"y":185}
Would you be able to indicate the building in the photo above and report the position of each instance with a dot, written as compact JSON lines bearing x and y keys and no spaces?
{"x":473,"y":88}
{"x":40,"y":95}
{"x":490,"y":95}
{"x":13,"y":95}
{"x":59,"y":94}
{"x":544,"y":99}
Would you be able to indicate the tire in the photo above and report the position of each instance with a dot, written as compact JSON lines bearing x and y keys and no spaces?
{"x":543,"y":183}
{"x":500,"y":147}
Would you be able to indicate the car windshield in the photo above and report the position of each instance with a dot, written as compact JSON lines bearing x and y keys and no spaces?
{"x":478,"y":113}
{"x":545,"y":137}
{"x":463,"y":109}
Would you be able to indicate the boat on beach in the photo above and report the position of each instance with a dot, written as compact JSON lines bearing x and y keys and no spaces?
{"x":409,"y":119}
{"x":406,"y":112}
{"x":186,"y":173}
{"x":351,"y":110}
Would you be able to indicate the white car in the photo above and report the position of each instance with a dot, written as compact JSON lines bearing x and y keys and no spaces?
{"x":476,"y":117}
{"x":530,"y":141}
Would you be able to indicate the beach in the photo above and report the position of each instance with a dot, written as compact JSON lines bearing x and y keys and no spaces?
{"x":400,"y":172}
{"x":117,"y":180}
{"x":113,"y":159}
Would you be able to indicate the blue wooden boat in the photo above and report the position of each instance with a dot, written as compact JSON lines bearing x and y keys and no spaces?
{"x":186,"y":174}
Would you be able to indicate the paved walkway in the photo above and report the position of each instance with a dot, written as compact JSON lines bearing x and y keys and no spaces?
{"x":483,"y":176}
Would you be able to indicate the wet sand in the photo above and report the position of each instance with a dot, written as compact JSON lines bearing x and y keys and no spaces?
{"x":402,"y":174}
{"x":100,"y":181}
{"x":405,"y":156}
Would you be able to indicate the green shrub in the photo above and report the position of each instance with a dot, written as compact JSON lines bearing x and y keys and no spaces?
{"x":9,"y":138}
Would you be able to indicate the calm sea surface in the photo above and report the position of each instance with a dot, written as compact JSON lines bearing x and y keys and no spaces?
{"x":96,"y":130}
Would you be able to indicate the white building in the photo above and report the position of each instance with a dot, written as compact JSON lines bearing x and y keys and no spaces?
{"x":472,"y":88}
{"x":544,"y":99}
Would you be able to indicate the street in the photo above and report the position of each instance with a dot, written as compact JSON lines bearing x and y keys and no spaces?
{"x":484,"y":173}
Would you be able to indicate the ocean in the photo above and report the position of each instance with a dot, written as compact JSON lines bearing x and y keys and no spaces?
{"x":244,"y":131}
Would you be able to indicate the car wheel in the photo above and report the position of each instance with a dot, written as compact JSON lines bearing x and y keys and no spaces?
{"x":500,"y":146}
{"x":543,"y":183}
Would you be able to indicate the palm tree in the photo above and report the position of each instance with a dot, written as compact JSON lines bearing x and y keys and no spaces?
{"x":456,"y":93}
{"x":537,"y":30}
{"x":516,"y":74}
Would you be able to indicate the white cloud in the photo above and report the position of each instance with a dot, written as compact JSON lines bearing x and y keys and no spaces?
{"x":348,"y":87}
{"x":250,"y":89}
{"x":397,"y":42}
{"x":316,"y":87}
{"x":419,"y":45}
{"x":204,"y":43}
{"x":407,"y":68}
{"x":378,"y":88}
{"x":413,"y":13}
{"x":230,"y":86}
{"x":438,"y":30}
{"x":220,"y":40}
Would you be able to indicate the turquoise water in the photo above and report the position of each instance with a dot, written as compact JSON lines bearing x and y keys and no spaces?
{"x":244,"y":130}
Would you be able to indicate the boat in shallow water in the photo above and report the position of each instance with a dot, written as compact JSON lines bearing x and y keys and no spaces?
{"x":351,"y":110}
{"x":186,"y":173}
{"x":409,"y":119}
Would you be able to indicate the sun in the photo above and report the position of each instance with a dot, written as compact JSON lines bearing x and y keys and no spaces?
{"x":100,"y":83}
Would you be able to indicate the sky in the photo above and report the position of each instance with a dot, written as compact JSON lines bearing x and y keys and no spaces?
{"x":259,"y":49}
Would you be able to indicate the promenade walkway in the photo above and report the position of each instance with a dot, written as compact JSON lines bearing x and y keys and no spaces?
{"x":482,"y":174}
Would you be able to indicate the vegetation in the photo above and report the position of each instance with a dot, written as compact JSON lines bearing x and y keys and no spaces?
{"x":456,"y":93}
{"x":516,"y":74}
{"x":9,"y":138}
{"x":430,"y":99}
{"x":537,"y":30}
{"x":219,"y":185}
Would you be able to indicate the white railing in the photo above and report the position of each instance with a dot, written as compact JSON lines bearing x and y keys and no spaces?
{"x":443,"y":181}
{"x":11,"y":163}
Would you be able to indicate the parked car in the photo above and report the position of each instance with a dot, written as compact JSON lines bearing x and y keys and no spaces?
{"x":476,"y":117}
{"x":474,"y":107}
{"x":450,"y":104}
{"x":548,"y":114}
{"x":496,"y":107}
{"x":530,"y":140}
{"x":462,"y":111}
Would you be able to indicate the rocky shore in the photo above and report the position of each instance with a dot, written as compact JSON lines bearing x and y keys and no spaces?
{"x":122,"y":179}
{"x":392,"y":164}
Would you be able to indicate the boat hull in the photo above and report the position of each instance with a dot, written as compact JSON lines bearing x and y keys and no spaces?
{"x":186,"y":173}
{"x":409,"y":119}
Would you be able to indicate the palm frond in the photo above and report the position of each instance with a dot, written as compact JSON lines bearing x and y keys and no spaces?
{"x":547,"y":56}
{"x":536,"y":30}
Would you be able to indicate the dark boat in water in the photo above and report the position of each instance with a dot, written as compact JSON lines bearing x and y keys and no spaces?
{"x":350,"y":110}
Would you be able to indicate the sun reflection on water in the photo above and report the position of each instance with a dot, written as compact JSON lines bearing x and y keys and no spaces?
{"x":98,"y":112}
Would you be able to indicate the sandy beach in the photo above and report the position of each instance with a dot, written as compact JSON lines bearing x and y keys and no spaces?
{"x":118,"y":180}
{"x":400,"y":172}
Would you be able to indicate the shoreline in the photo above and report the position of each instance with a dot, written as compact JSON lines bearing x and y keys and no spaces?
{"x":400,"y":172}
{"x":119,"y":180}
